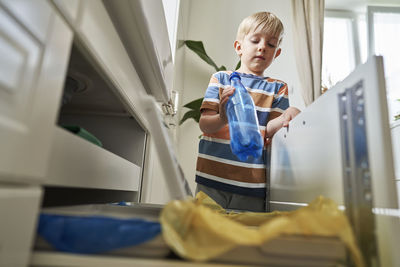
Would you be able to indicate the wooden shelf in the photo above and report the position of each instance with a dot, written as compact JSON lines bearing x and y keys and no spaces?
{"x":75,"y":162}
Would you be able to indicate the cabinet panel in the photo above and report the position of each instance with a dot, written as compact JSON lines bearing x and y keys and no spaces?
{"x":35,"y":15}
{"x":69,"y":9}
{"x":14,"y":56}
{"x":142,"y":28}
{"x":18,"y":208}
{"x":30,"y":89}
{"x":20,"y":62}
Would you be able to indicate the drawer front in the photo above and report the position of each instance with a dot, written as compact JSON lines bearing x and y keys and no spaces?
{"x":19,"y":207}
{"x":20,"y":55}
{"x":33,"y":59}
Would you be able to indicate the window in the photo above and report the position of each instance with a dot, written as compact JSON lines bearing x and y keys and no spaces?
{"x":362,"y":37}
{"x":338,"y":58}
{"x":350,"y":37}
{"x":384,"y":39}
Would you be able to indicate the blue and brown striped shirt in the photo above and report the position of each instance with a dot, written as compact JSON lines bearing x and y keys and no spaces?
{"x":217,"y":166}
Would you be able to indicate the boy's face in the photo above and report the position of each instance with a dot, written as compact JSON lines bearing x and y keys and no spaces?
{"x":257,"y":51}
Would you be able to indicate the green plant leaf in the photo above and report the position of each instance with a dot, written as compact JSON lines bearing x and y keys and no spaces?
{"x":195,"y":104}
{"x":221,"y":68}
{"x":198,"y":48}
{"x":238,"y":65}
{"x":191,"y":114}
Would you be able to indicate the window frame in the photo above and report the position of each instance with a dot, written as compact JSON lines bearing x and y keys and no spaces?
{"x":353,"y":17}
{"x":370,"y":23}
{"x":371,"y":10}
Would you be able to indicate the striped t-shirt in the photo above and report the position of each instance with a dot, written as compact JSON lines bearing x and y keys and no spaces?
{"x":217,"y":166}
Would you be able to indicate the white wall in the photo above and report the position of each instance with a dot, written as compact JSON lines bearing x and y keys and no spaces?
{"x":215,"y":23}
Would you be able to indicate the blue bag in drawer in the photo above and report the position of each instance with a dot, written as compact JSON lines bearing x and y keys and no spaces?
{"x":94,"y":234}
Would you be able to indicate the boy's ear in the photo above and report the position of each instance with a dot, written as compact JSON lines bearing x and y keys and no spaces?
{"x":238,"y":47}
{"x":278,"y":52}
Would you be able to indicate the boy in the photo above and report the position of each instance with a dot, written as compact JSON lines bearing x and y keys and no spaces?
{"x":219,"y":173}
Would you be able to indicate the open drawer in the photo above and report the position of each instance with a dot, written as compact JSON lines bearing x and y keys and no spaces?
{"x":282,"y":251}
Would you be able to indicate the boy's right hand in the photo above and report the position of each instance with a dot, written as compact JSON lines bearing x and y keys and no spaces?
{"x":212,"y":121}
{"x":225,"y":94}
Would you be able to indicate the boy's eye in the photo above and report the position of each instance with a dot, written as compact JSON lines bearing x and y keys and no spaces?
{"x":254,"y":39}
{"x":271,"y":45}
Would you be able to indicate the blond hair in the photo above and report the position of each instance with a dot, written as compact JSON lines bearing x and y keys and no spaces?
{"x":261,"y":21}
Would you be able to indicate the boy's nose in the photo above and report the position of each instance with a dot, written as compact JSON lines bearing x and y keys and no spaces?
{"x":261,"y":46}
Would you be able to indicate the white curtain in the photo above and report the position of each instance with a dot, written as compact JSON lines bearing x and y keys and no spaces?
{"x":308,"y":26}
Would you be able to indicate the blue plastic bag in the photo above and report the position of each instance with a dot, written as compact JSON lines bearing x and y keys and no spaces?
{"x":94,"y":234}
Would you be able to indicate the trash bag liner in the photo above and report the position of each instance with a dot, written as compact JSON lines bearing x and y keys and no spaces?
{"x":94,"y":234}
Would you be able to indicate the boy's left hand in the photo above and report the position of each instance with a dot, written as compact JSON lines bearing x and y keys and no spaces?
{"x":282,"y":121}
{"x":288,"y":115}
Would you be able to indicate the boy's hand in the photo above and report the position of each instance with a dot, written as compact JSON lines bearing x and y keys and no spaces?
{"x":288,"y":115}
{"x":212,"y":121}
{"x":226,"y":93}
{"x":282,"y":121}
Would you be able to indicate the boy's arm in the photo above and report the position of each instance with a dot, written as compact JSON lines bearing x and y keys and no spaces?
{"x":282,"y":121}
{"x":210,"y":120}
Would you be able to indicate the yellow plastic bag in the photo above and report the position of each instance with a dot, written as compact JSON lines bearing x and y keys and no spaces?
{"x":200,"y":229}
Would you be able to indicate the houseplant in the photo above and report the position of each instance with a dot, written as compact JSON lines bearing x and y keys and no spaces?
{"x":194,"y":106}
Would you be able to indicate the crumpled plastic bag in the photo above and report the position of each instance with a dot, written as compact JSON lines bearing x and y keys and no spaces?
{"x":199,"y":229}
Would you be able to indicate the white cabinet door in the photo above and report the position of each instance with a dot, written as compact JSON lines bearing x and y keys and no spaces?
{"x":69,"y":9}
{"x":34,"y":51}
{"x":19,"y":206}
